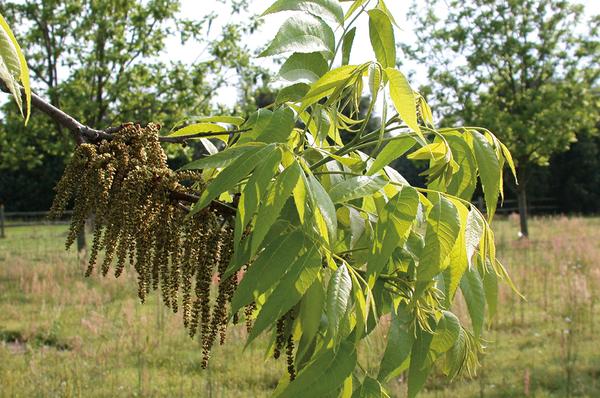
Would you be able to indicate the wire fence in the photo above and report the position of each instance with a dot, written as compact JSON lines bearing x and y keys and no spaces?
{"x":10,"y":219}
{"x":36,"y":218}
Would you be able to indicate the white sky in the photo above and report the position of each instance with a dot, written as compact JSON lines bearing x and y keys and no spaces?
{"x":194,"y":9}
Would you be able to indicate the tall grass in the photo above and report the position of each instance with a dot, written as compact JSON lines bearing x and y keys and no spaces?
{"x":65,"y":335}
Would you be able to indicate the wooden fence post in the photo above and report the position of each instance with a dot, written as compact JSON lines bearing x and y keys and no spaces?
{"x":2,"y":221}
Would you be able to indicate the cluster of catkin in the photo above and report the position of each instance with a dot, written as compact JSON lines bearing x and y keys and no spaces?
{"x":283,"y":339}
{"x":125,"y":186}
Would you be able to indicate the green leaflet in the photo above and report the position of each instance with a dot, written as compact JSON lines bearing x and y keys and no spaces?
{"x":509,"y":160}
{"x":489,"y":171}
{"x":269,"y":209}
{"x":471,"y":286}
{"x":420,"y":365}
{"x":8,"y":55}
{"x":446,"y":333}
{"x":370,"y":388}
{"x":393,"y":226}
{"x":399,"y":344}
{"x":231,"y":175}
{"x":328,"y":83}
{"x":268,"y":268}
{"x":381,"y":6}
{"x":320,"y":8}
{"x":302,"y":34}
{"x":279,"y":126}
{"x":324,"y":374}
{"x":356,"y":4}
{"x":490,"y":287}
{"x":338,"y":298}
{"x":347,"y":46}
{"x":465,"y":180}
{"x":305,"y":68}
{"x":443,"y":228}
{"x":256,"y":187}
{"x":233,"y":120}
{"x":392,"y":151}
{"x":356,"y":187}
{"x":459,"y":262}
{"x":297,"y":280}
{"x":325,"y":207}
{"x":223,"y":158}
{"x":473,"y":233}
{"x":311,"y":309}
{"x":293,"y":93}
{"x":196,"y":128}
{"x":403,"y":98}
{"x":383,"y":42}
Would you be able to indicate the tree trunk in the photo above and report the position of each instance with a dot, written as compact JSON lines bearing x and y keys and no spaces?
{"x":522,"y":200}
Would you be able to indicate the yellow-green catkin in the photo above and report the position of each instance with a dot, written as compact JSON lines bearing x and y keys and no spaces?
{"x":126,"y":185}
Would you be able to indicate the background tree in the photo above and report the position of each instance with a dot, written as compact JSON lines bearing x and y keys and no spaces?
{"x":104,"y":62}
{"x":522,"y":68}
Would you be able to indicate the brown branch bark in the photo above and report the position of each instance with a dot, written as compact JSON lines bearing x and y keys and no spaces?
{"x":83,"y":133}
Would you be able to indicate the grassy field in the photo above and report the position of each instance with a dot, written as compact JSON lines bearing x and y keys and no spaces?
{"x":65,"y":335}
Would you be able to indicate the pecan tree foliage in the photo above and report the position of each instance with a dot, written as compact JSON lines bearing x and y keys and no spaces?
{"x":315,"y":240}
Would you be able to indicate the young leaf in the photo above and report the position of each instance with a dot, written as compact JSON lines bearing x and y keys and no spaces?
{"x":392,"y":228}
{"x":465,"y":180}
{"x":471,"y":286}
{"x":23,"y":70}
{"x":268,"y":268}
{"x":459,"y":261}
{"x":347,"y":45}
{"x":302,"y":34}
{"x":490,"y":286}
{"x":399,"y":344}
{"x":324,"y":374}
{"x":403,"y":98}
{"x":297,"y":280}
{"x":370,"y":388}
{"x":489,"y":171}
{"x":306,"y":68}
{"x":269,"y":210}
{"x":356,"y":187}
{"x":446,"y":333}
{"x":392,"y":151}
{"x":223,"y":158}
{"x":279,"y":127}
{"x":293,"y":93}
{"x":420,"y":366}
{"x":257,"y":185}
{"x":320,"y":8}
{"x":325,"y":207}
{"x":196,"y":128}
{"x":381,"y":32}
{"x":443,"y":227}
{"x":328,"y":83}
{"x":311,"y":309}
{"x":338,"y":298}
{"x":231,"y":175}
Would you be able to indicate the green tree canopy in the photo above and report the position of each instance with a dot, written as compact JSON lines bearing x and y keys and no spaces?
{"x":523,"y":68}
{"x":106,"y":62}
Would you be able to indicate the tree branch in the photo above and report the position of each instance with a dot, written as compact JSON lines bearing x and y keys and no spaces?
{"x":183,"y":138}
{"x":83,"y":133}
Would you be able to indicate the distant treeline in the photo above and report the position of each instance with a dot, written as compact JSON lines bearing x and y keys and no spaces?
{"x":572,"y":180}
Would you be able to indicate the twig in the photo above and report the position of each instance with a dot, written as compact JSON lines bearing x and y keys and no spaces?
{"x":189,"y":198}
{"x":83,"y":133}
{"x":183,"y":138}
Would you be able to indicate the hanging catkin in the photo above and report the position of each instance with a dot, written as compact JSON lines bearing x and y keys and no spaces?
{"x":125,"y":184}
